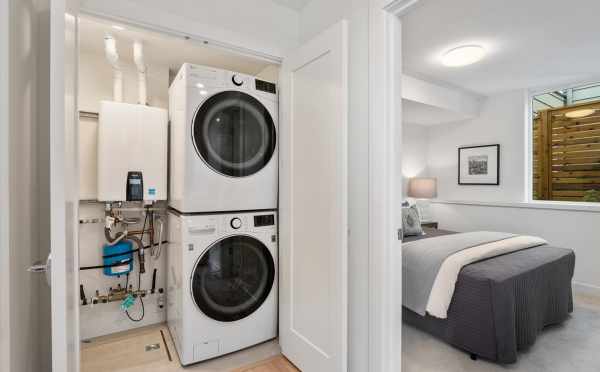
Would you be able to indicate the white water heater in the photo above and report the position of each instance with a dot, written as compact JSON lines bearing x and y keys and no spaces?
{"x":132,"y":140}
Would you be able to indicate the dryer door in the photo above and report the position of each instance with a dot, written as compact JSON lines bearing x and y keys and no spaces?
{"x":234,"y":134}
{"x":233,"y":278}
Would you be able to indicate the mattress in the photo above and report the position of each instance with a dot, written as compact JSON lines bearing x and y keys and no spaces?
{"x":501,"y":304}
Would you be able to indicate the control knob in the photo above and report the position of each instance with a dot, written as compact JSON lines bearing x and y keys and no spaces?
{"x":236,"y":223}
{"x":237,"y":81}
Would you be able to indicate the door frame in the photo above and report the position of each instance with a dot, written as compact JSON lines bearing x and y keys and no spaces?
{"x":232,"y":48}
{"x":385,"y":105}
{"x":4,"y":184}
{"x":385,"y":183}
{"x":198,"y":38}
{"x":65,"y":268}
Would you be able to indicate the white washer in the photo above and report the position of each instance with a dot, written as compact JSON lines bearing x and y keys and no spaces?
{"x":222,"y":282}
{"x":223,"y":141}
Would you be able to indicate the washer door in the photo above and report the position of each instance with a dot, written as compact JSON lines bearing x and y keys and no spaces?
{"x":234,"y":134}
{"x":233,"y":278}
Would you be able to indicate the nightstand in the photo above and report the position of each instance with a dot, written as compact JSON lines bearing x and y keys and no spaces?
{"x":430,"y":224}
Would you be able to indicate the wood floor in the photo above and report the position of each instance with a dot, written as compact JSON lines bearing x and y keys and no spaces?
{"x":274,"y":364}
{"x":152,"y":349}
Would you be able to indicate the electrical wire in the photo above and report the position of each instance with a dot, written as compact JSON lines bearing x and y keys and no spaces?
{"x":122,"y":263}
{"x":140,"y":297}
{"x":139,"y":279}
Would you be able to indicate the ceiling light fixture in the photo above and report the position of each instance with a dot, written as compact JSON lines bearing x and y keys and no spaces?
{"x":576,"y":114}
{"x":463,"y":55}
{"x":118,"y":28}
{"x":200,"y":85}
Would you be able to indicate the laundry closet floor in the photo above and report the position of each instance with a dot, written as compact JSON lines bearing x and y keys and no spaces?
{"x":151,"y":349}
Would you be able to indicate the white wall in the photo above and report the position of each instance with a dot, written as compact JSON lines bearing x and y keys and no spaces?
{"x":502,"y":121}
{"x":436,"y":103}
{"x":253,"y":24}
{"x":570,"y":229}
{"x":95,"y":84}
{"x":102,"y":319}
{"x":414,"y":152}
{"x":316,"y":17}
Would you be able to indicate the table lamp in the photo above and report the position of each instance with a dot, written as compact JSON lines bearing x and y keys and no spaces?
{"x":422,"y":189}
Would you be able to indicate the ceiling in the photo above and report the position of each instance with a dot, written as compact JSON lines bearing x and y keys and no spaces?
{"x":163,"y":50}
{"x":293,"y":4}
{"x":423,"y":114}
{"x":530,"y":44}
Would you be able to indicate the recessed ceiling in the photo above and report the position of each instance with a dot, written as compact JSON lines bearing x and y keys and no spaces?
{"x":529,"y":44}
{"x":162,"y":50}
{"x":293,"y":4}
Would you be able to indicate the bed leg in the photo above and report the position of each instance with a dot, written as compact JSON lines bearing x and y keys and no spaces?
{"x":473,"y":356}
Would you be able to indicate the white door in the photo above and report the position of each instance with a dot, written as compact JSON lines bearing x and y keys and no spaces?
{"x":313,"y":203}
{"x":64,"y":266}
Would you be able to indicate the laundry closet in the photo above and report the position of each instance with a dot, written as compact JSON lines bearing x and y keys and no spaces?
{"x":178,"y":223}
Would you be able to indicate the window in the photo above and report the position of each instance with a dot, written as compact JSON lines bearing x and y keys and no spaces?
{"x":566,"y":144}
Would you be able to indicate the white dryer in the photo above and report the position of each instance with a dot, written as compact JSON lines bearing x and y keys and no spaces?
{"x":222,"y":282}
{"x":223,"y":141}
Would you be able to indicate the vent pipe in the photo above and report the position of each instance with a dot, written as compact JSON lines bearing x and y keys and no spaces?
{"x":138,"y":58}
{"x":110,"y":50}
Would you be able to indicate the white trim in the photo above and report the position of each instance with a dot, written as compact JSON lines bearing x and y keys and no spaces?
{"x":537,"y":204}
{"x":400,"y":7}
{"x":551,"y":88}
{"x":241,"y":50}
{"x":5,"y":12}
{"x":528,"y":135}
{"x":586,"y":289}
{"x":385,"y":105}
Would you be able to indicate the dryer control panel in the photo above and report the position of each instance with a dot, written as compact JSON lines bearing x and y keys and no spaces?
{"x":264,"y":220}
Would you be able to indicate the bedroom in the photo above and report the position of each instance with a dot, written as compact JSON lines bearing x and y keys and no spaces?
{"x":501,"y":136}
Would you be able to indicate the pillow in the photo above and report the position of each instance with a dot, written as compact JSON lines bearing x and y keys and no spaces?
{"x":411,"y":223}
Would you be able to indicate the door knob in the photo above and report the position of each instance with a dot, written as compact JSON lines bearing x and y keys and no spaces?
{"x":41,"y":267}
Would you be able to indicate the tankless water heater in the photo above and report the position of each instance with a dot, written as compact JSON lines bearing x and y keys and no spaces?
{"x":132,"y":140}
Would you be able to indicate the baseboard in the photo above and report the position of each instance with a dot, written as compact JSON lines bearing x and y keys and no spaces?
{"x":586,"y":289}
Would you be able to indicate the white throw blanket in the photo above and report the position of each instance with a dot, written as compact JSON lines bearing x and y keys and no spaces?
{"x":445,"y":281}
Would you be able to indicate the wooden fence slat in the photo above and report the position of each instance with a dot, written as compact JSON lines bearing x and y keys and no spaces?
{"x":576,"y":174}
{"x":573,"y":161}
{"x":576,"y":180}
{"x":574,"y":135}
{"x":566,"y":153}
{"x":572,"y":148}
{"x":577,"y":128}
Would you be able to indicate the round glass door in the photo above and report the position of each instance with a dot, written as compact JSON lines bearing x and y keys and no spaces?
{"x":233,"y":278}
{"x":234,"y":134}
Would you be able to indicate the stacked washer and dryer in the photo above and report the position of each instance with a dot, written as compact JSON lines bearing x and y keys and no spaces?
{"x":222,"y":260}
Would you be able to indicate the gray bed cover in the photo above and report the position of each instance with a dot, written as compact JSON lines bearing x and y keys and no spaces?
{"x":502,"y":303}
{"x":419,"y":270}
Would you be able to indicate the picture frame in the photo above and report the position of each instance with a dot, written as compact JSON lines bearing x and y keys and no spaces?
{"x":479,"y":165}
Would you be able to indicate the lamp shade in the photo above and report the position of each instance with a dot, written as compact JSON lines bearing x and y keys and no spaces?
{"x":422,"y":187}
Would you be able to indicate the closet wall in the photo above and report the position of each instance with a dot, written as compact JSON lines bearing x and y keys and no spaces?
{"x":95,"y":84}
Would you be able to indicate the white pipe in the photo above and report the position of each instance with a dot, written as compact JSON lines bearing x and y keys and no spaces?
{"x":110,"y":50}
{"x":138,"y":57}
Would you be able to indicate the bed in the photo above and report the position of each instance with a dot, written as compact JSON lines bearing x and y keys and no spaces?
{"x":501,"y":304}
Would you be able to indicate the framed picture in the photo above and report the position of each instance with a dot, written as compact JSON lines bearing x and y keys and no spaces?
{"x":479,"y":165}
